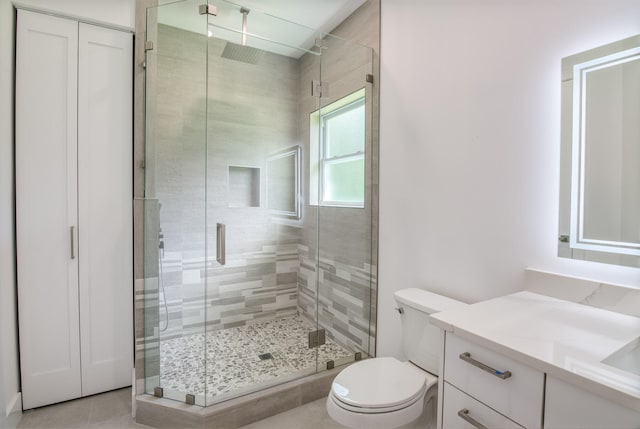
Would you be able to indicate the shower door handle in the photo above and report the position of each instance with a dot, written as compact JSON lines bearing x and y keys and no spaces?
{"x":72,"y":234}
{"x":220,"y":243}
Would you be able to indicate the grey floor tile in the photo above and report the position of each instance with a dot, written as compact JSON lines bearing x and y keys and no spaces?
{"x":110,"y":405}
{"x":312,"y":415}
{"x":122,"y":422}
{"x":71,"y":414}
{"x":111,"y":410}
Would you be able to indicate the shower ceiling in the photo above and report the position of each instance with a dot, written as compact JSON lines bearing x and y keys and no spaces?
{"x":322,"y":15}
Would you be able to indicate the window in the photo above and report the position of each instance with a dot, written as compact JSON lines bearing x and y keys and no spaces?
{"x":337,"y":153}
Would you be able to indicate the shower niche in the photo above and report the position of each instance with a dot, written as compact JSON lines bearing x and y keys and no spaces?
{"x":244,"y":186}
{"x":228,"y":142}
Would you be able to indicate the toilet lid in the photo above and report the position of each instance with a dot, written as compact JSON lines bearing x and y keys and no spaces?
{"x":378,"y":383}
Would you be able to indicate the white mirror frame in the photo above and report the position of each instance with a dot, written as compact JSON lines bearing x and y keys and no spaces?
{"x":294,"y":152}
{"x":577,"y":237}
{"x":572,"y":242}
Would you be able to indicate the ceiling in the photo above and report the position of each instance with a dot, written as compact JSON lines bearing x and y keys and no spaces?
{"x":286,"y":27}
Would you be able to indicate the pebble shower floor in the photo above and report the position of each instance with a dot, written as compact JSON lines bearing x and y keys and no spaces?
{"x":235,"y":357}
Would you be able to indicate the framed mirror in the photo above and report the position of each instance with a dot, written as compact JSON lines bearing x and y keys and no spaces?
{"x":600,"y":171}
{"x":283,"y":183}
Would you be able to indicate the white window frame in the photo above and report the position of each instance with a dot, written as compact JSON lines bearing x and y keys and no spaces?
{"x":318,"y":146}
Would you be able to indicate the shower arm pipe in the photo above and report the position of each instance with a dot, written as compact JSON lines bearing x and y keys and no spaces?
{"x":244,"y":11}
{"x":265,"y":39}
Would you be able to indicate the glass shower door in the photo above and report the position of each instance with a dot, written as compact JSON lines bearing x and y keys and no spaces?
{"x":257,"y":335}
{"x":343,"y":166}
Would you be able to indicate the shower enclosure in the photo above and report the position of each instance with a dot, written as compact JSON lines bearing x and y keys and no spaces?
{"x":259,"y":240}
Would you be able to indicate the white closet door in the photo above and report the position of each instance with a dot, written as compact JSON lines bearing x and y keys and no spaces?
{"x":105,"y":207}
{"x":46,"y":208}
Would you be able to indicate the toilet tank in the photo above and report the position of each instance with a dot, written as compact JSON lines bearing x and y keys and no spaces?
{"x":420,"y":339}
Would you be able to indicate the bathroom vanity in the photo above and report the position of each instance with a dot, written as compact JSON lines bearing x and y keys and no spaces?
{"x":530,"y":361}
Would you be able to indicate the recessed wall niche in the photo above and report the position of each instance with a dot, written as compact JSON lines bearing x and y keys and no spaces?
{"x":244,"y":186}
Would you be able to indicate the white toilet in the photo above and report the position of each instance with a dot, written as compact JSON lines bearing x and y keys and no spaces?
{"x":385,"y":392}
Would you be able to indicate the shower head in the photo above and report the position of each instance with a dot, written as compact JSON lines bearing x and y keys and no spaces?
{"x":243,"y":53}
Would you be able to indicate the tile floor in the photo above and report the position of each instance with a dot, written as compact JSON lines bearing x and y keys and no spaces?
{"x":233,"y":357}
{"x":109,"y":410}
{"x":314,"y":416}
{"x":112,"y":410}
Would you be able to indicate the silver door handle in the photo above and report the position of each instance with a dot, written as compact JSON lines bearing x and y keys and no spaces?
{"x":220,"y":243}
{"x":73,"y":245}
{"x":500,"y":374}
{"x":464,"y":415}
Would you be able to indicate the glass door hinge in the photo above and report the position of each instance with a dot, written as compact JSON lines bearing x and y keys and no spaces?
{"x":319,"y":88}
{"x":317,"y":338}
{"x":208,"y":9}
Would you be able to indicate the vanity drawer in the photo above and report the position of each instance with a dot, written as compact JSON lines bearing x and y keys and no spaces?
{"x":517,"y":395}
{"x":461,"y":411}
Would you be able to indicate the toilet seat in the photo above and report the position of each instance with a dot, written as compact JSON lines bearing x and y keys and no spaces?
{"x":379,"y":393}
{"x":378,"y":385}
{"x":376,"y":410}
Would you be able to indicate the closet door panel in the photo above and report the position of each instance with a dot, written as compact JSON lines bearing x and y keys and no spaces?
{"x":46,"y":208}
{"x":105,"y":208}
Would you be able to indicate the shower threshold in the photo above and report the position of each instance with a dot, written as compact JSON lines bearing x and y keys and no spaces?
{"x":237,"y":412}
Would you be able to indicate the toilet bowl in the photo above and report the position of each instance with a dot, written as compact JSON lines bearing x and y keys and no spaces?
{"x":379,"y":393}
{"x":383,"y":392}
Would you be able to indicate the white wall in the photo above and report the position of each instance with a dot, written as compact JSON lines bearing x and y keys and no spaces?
{"x":120,"y":13}
{"x":470,"y":143}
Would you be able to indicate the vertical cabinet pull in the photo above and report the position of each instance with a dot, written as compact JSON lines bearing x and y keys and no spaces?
{"x":500,"y":374}
{"x":464,"y":415}
{"x":220,"y":243}
{"x":73,"y":241}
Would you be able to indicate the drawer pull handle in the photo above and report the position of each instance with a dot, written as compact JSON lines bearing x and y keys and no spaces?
{"x":500,"y":374}
{"x":464,"y":415}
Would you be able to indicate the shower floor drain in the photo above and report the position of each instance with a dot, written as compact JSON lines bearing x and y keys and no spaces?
{"x":265,"y":356}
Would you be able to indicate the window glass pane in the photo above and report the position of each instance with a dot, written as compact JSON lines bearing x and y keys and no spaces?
{"x":344,"y":181}
{"x":344,"y":131}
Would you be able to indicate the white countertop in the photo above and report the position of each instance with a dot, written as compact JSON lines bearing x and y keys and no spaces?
{"x":564,"y":339}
